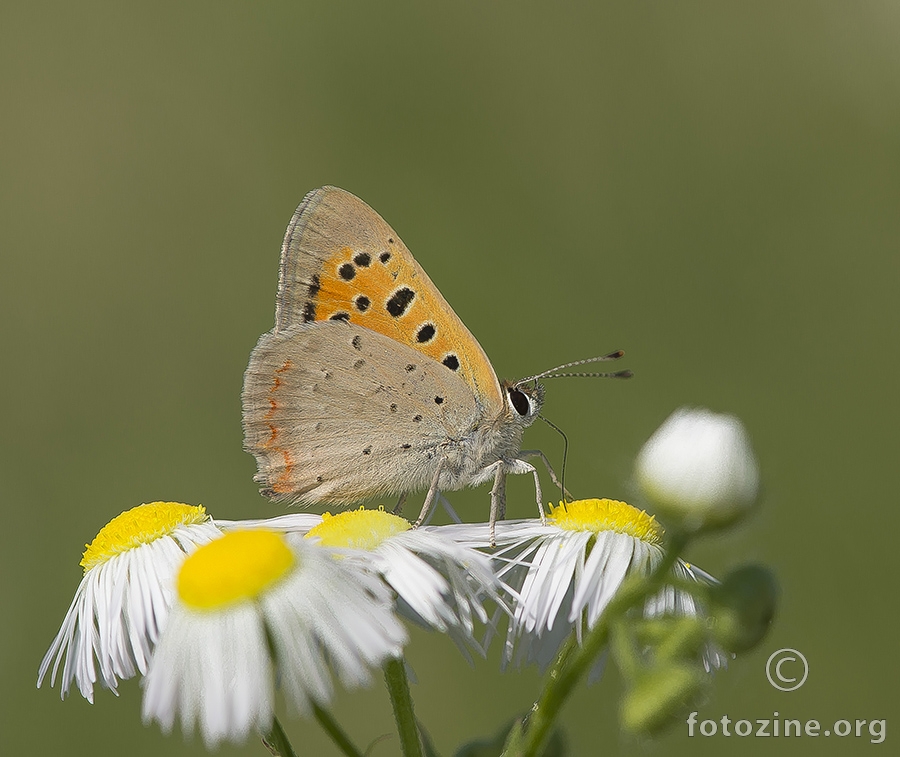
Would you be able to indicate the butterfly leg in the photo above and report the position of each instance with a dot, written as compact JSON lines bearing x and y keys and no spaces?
{"x":538,"y":495}
{"x":498,"y":491}
{"x":398,"y":508}
{"x":431,"y":495}
{"x":526,"y":453}
{"x":449,"y":508}
{"x":498,"y":499}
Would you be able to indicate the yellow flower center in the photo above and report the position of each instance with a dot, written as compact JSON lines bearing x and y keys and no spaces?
{"x":139,"y":525}
{"x":237,"y":567}
{"x":358,"y":529}
{"x":606,"y":515}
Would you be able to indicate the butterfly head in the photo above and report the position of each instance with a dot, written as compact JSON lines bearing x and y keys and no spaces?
{"x":525,"y":397}
{"x":524,"y":400}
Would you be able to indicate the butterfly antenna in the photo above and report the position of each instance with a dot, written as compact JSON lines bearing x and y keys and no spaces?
{"x":617,"y":375}
{"x":552,"y":373}
{"x":558,"y":430}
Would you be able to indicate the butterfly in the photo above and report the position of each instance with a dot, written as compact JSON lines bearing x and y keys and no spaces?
{"x":370,"y":385}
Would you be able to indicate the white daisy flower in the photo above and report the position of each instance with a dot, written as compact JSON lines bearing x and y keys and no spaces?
{"x":256,"y":607}
{"x":123,"y":600}
{"x":565,"y":573}
{"x":699,"y":468}
{"x":438,"y":583}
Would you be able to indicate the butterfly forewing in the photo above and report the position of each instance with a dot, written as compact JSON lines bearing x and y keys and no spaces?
{"x":341,"y":261}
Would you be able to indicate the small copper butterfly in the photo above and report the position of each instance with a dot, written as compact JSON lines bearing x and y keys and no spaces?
{"x":370,"y":385}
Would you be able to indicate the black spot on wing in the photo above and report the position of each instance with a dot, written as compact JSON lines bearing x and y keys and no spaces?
{"x":363,"y":259}
{"x":357,"y":342}
{"x":438,"y":400}
{"x":362,"y":303}
{"x":347,"y":272}
{"x":384,"y":257}
{"x":314,"y":285}
{"x":400,"y":301}
{"x":451,"y":361}
{"x":309,"y":312}
{"x":425,"y":333}
{"x":340,"y":317}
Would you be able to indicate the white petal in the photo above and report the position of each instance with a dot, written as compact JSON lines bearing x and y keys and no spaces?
{"x":213,"y":668}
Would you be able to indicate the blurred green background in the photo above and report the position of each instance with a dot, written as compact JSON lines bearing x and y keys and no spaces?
{"x":714,"y":189}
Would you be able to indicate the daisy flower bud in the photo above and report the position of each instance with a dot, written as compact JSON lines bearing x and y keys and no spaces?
{"x":699,"y":468}
{"x":655,"y":699}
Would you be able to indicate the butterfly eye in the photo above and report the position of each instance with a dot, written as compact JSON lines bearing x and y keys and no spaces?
{"x":519,"y":401}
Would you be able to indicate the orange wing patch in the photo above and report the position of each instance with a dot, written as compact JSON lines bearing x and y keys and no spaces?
{"x":381,"y":293}
{"x":346,"y":263}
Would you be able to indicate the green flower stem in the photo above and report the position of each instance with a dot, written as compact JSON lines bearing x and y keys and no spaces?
{"x":331,"y":727}
{"x":401,"y":701}
{"x":561,"y":680}
{"x":574,"y":661}
{"x":277,"y":741}
{"x":562,"y":657}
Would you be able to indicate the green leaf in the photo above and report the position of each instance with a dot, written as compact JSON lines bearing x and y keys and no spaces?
{"x":744,"y":606}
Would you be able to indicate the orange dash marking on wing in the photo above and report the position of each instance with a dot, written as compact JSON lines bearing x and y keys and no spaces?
{"x":276,"y":385}
{"x":282,"y":484}
{"x":288,"y":364}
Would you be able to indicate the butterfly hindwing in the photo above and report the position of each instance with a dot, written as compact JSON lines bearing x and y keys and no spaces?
{"x":341,"y":261}
{"x":336,"y":413}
